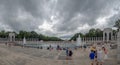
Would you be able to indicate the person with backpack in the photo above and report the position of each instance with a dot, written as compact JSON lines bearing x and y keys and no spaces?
{"x":70,"y":52}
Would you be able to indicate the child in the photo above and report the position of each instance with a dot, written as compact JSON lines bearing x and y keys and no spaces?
{"x":99,"y":57}
{"x":92,"y":56}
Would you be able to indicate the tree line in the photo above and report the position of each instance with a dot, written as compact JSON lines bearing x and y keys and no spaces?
{"x":31,"y":34}
{"x":92,"y":33}
{"x":96,"y":32}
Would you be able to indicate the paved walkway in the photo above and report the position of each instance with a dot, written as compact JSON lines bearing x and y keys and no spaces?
{"x":31,"y":56}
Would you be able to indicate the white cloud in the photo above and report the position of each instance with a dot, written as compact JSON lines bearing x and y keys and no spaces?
{"x":46,"y":26}
{"x":61,"y":18}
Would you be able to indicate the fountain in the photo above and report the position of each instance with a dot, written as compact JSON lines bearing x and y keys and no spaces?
{"x":24,"y":40}
{"x":78,"y":43}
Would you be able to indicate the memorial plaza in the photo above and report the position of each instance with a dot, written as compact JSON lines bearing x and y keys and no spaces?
{"x":21,"y":52}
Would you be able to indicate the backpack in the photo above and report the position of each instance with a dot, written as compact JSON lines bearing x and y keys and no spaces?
{"x":70,"y":53}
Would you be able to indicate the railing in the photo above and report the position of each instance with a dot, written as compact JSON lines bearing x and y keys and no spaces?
{"x":86,"y":40}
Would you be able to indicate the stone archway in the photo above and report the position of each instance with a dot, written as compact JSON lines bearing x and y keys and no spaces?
{"x":107,"y":34}
{"x":11,"y":37}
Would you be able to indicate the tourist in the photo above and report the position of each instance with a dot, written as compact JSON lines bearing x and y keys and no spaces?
{"x":105,"y":52}
{"x":99,"y":57}
{"x":58,"y":47}
{"x":9,"y":45}
{"x":6,"y":43}
{"x":41,"y":47}
{"x":92,"y":56}
{"x":85,"y":47}
{"x":95,"y":54}
{"x":48,"y":48}
{"x":94,"y":49}
{"x":38,"y":47}
{"x":67,"y":52}
{"x":70,"y":54}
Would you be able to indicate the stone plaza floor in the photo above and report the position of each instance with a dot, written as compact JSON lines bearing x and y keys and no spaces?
{"x":31,"y":56}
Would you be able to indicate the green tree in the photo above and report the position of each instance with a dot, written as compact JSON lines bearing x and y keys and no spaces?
{"x":98,"y":33}
{"x":117,"y":24}
{"x":92,"y":33}
{"x":31,"y":34}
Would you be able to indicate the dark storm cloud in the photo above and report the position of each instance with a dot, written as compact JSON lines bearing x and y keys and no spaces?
{"x":89,"y":9}
{"x":11,"y":9}
{"x":65,"y":17}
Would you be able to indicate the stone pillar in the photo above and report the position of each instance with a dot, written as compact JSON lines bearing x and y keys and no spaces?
{"x":93,"y":39}
{"x":90,"y":39}
{"x":84,"y":39}
{"x":118,"y":48}
{"x":108,"y":37}
{"x":103,"y":36}
{"x":101,"y":39}
{"x":96,"y":38}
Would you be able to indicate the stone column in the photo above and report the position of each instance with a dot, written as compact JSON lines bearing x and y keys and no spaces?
{"x":107,"y":37}
{"x":84,"y":39}
{"x":103,"y":36}
{"x":111,"y":36}
{"x":96,"y":38}
{"x":92,"y":39}
{"x":118,"y":48}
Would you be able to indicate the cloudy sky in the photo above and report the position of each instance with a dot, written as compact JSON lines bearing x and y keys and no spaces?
{"x":61,"y":18}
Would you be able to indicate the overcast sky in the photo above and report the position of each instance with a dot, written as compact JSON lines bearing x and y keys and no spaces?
{"x":61,"y":18}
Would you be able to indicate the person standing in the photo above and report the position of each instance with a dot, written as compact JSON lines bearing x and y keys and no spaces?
{"x":70,"y":54}
{"x":92,"y":57}
{"x":99,"y":57}
{"x":67,"y":52}
{"x":105,"y":52}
